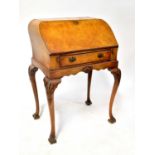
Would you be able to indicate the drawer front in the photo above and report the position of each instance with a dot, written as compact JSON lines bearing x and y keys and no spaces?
{"x":76,"y":59}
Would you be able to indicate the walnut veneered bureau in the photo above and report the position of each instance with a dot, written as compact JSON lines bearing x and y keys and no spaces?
{"x":68,"y":46}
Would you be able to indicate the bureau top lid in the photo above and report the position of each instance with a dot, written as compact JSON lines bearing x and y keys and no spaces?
{"x":71,"y":34}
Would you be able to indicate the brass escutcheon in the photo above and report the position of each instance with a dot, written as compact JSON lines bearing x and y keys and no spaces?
{"x":100,"y":55}
{"x":72,"y":59}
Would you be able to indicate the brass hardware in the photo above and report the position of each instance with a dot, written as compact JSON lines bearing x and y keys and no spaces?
{"x":100,"y":55}
{"x":75,"y":22}
{"x":72,"y":59}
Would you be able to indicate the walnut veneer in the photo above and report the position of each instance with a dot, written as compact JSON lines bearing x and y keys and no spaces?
{"x":63,"y":47}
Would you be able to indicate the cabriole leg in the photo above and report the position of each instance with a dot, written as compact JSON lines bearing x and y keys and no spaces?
{"x":50,"y":86}
{"x":88,"y":101}
{"x":116,"y":72}
{"x":32,"y":70}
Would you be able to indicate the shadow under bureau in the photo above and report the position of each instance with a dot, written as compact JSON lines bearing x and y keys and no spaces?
{"x":62,"y":47}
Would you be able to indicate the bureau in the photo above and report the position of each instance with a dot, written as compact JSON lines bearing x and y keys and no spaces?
{"x":62,"y":47}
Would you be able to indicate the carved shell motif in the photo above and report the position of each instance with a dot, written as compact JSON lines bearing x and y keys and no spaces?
{"x":50,"y":86}
{"x":87,"y":69}
{"x":32,"y":70}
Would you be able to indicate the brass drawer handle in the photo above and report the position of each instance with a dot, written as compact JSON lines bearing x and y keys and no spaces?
{"x":100,"y":55}
{"x":72,"y":59}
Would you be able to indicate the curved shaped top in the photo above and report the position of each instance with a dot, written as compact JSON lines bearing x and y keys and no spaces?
{"x":71,"y":34}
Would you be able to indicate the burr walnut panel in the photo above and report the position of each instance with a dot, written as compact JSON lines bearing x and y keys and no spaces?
{"x":67,"y":35}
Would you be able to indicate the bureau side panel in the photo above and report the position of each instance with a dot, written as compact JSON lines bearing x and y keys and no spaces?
{"x":39,"y":50}
{"x":114,"y":54}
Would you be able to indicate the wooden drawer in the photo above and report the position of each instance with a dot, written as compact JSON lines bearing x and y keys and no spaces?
{"x":75,"y":59}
